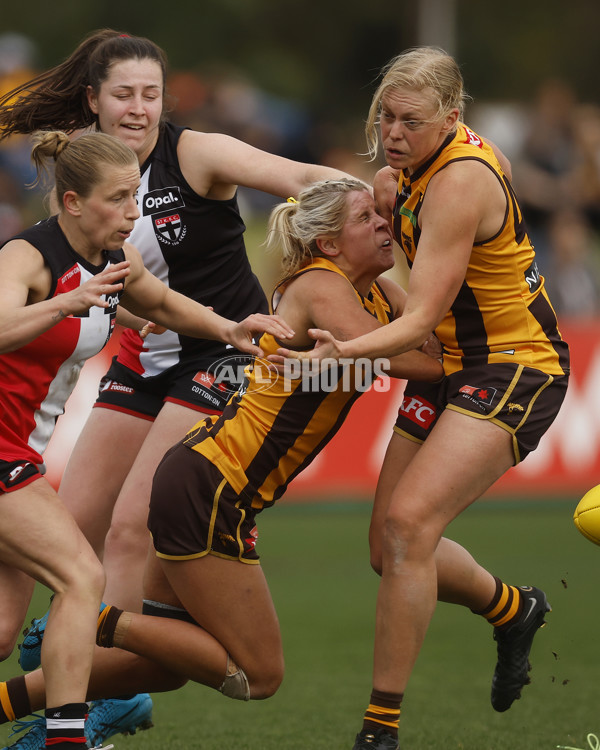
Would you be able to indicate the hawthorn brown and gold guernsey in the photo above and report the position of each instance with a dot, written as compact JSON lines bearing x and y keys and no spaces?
{"x":502,"y":316}
{"x":268,"y":435}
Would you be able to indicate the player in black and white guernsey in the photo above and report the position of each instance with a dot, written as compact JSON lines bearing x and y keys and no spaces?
{"x":60,"y":284}
{"x":190,"y":234}
{"x":195,"y":245}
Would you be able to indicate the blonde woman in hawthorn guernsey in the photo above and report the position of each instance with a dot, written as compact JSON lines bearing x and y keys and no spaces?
{"x":474,"y":280}
{"x":190,"y":235}
{"x":60,"y":283}
{"x":210,"y":487}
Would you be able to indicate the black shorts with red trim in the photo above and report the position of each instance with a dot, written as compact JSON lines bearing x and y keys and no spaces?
{"x":14,"y":475}
{"x":206,"y":390}
{"x":195,"y":512}
{"x":522,"y":400}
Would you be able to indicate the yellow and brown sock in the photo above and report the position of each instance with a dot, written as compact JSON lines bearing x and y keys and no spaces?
{"x":505,"y":608}
{"x":383,"y":712}
{"x":14,"y":700}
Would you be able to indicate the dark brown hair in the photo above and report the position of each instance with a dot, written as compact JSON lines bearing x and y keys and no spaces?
{"x":57,"y":99}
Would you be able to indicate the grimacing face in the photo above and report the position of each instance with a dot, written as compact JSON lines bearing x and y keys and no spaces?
{"x":364,"y":246}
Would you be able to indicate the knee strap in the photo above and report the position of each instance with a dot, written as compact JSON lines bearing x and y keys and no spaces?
{"x":235,"y":685}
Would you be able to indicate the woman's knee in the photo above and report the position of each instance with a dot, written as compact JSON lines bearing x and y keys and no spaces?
{"x":125,"y":538}
{"x":85,"y":580}
{"x":9,"y":634}
{"x":407,"y":535}
{"x":376,"y":557}
{"x":267,"y":684}
{"x":259,"y":682}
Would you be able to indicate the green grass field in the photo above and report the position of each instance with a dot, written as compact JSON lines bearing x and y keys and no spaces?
{"x":316,"y":559}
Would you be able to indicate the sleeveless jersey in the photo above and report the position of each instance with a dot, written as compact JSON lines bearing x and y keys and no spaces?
{"x":502,"y":312}
{"x":274,"y":426}
{"x":196,"y":247}
{"x":37,"y":379}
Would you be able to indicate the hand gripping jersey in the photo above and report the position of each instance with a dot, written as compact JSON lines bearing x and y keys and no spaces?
{"x":195,"y":246}
{"x":502,"y":312}
{"x":274,"y":427}
{"x":37,"y":379}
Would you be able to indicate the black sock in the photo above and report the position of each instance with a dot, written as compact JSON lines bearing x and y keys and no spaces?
{"x":64,"y":726}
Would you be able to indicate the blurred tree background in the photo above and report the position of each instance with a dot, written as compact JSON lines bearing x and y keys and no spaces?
{"x":297,"y":78}
{"x":326,"y":54}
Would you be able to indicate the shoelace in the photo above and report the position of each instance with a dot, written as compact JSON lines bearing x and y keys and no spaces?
{"x":21,"y":726}
{"x":592,"y":740}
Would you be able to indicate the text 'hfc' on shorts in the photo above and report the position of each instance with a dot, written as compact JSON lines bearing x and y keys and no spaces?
{"x":522,"y":400}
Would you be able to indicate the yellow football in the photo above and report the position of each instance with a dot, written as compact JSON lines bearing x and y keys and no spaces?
{"x":587,"y":515}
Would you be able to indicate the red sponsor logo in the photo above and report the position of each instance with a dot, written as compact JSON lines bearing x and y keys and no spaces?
{"x":418,"y":410}
{"x":484,"y":395}
{"x":473,"y":138}
{"x":68,"y":281}
{"x":252,"y":539}
{"x":204,"y":378}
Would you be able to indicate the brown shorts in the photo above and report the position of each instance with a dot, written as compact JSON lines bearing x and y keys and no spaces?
{"x":195,"y":512}
{"x":521,"y":400}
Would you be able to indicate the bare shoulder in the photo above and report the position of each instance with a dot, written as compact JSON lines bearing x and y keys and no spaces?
{"x":385,"y":188}
{"x":210,"y":146}
{"x":386,"y":179}
{"x":320,"y":283}
{"x":21,"y":255}
{"x":470,"y":179}
{"x":23,"y":266}
{"x":316,"y":289}
{"x":466,"y":197}
{"x":132,"y":254}
{"x":209,"y":162}
{"x":325,"y":299}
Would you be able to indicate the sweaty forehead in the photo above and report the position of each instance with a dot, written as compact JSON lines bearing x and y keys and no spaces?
{"x":359,"y":201}
{"x":403,"y":98}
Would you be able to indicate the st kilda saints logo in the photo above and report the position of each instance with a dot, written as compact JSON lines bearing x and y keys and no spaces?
{"x":163,"y":205}
{"x":169,"y":228}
